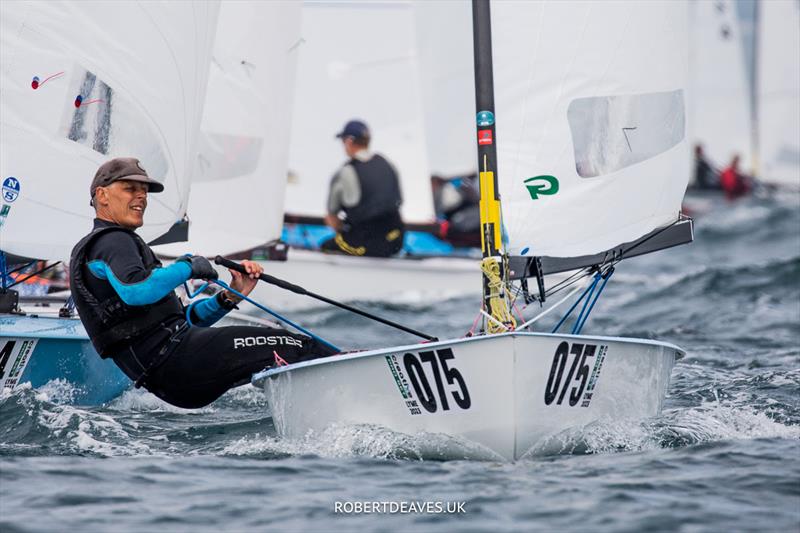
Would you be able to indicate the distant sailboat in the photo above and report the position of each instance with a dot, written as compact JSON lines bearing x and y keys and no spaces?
{"x":82,"y":83}
{"x":744,"y":87}
{"x":586,"y":149}
{"x":719,"y":115}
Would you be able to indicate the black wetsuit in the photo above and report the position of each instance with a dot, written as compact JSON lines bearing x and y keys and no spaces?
{"x":176,"y":357}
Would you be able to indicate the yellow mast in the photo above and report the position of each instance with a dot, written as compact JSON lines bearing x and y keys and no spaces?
{"x":498,"y":318}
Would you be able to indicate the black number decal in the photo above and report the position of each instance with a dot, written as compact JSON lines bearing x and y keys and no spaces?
{"x":453,"y":375}
{"x":576,"y":351}
{"x":579,"y":354}
{"x":430,"y":358}
{"x":5,"y":354}
{"x":417,"y":376}
{"x":583,"y":374}
{"x":422,"y":387}
{"x":559,"y":362}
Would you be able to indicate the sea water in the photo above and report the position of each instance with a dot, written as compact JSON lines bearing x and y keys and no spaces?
{"x":723,"y":456}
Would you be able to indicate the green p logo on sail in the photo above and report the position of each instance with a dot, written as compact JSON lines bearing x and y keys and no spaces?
{"x":541,"y":185}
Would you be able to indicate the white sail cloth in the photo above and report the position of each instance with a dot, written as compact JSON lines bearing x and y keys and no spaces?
{"x":83,"y":82}
{"x":720,"y":103}
{"x":778,"y":89}
{"x":447,"y":80}
{"x":591,"y":94}
{"x":240,"y":177}
{"x":357,"y":60}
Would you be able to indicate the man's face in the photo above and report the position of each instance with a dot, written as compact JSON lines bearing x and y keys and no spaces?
{"x":123,"y":202}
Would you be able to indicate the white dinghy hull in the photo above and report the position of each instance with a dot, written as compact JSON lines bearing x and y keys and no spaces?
{"x":500,"y":397}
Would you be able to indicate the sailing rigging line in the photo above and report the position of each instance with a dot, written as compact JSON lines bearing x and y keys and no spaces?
{"x":271,"y":312}
{"x":26,"y":278}
{"x":589,"y":294}
{"x":3,"y":270}
{"x":497,"y":301}
{"x":300,"y":290}
{"x":576,"y":330}
{"x":591,"y":299}
{"x":551,"y":308}
{"x":495,"y":321}
{"x":21,"y":267}
{"x":604,"y":270}
{"x":471,"y":331}
{"x":574,"y":278}
{"x":622,"y":254}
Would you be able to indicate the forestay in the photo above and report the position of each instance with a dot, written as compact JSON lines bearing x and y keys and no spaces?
{"x":778,"y":85}
{"x":720,"y":103}
{"x":590,"y":110}
{"x":83,"y":82}
{"x":357,"y":60}
{"x":240,"y":177}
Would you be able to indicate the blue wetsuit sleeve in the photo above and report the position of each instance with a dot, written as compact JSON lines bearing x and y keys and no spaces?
{"x":118,"y":261}
{"x":159,"y":283}
{"x":205,"y":312}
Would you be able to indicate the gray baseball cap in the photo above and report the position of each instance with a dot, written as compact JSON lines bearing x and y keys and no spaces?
{"x":123,"y":168}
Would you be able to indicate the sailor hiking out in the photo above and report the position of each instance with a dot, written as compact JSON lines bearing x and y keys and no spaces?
{"x":128,"y":305}
{"x":367,"y":191}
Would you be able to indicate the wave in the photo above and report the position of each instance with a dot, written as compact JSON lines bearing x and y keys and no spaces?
{"x":30,"y":421}
{"x":709,"y":423}
{"x":31,"y":425}
{"x":36,"y":422}
{"x":363,"y":440}
{"x":755,"y":303}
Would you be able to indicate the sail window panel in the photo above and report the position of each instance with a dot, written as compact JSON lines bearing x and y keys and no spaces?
{"x":225,"y":157}
{"x":610,"y":133}
{"x":111,"y":123}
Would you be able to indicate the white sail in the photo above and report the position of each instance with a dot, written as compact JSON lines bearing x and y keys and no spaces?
{"x":83,"y":82}
{"x":719,"y":104}
{"x":238,"y":188}
{"x":357,"y":60}
{"x":778,"y":85}
{"x":590,"y":109}
{"x":447,"y":77}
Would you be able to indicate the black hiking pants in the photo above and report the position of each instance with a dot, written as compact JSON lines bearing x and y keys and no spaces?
{"x":190,"y":367}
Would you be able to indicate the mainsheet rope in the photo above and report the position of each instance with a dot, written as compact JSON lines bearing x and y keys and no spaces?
{"x":262,"y":307}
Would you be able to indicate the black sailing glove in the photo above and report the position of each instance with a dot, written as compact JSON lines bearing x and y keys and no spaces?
{"x":201,"y":267}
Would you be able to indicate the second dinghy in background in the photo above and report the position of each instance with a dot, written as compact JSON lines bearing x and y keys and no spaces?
{"x":587,"y":149}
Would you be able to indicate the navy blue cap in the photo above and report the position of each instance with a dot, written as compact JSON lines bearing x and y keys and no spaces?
{"x":355,"y":129}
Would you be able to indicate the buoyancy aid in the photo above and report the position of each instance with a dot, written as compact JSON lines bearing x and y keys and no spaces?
{"x":380,"y":190}
{"x":111,"y":323}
